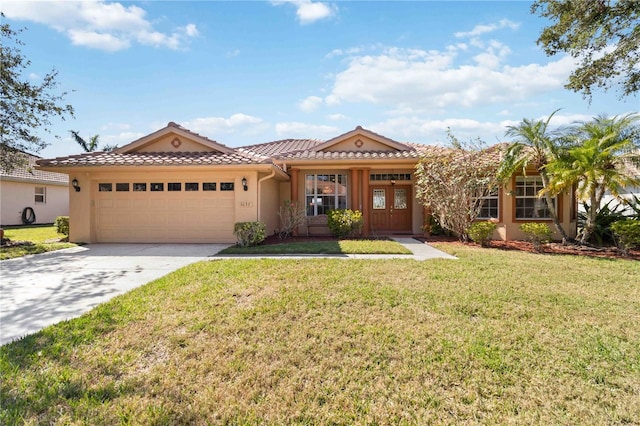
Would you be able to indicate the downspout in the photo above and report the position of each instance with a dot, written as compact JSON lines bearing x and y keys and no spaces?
{"x":273,"y":173}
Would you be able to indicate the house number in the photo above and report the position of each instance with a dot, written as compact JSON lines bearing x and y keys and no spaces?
{"x":246,"y":203}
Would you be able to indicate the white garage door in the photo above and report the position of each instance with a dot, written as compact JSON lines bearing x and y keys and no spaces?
{"x":165,"y":212}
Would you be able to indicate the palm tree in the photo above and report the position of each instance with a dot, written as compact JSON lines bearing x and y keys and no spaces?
{"x":92,"y":144}
{"x":533,"y":146}
{"x":596,"y":163}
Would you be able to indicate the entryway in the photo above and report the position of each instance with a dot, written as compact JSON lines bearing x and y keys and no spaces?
{"x":391,"y":208}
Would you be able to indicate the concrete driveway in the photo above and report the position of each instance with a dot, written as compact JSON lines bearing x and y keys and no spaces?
{"x":43,"y":289}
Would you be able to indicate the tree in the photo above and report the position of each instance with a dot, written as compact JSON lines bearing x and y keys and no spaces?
{"x":452,"y":181}
{"x":25,"y":107}
{"x":596,"y":162}
{"x":92,"y":145}
{"x":603,"y":35}
{"x":533,"y":147}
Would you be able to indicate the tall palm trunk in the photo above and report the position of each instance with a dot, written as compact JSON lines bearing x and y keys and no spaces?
{"x":552,"y":209}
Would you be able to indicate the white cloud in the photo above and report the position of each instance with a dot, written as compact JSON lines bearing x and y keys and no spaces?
{"x":308,"y":11}
{"x":99,"y":25}
{"x":400,"y":78}
{"x":337,"y":117}
{"x":303,"y":130}
{"x":310,"y":104}
{"x":236,"y":123}
{"x":487,"y":28}
{"x":119,"y":139}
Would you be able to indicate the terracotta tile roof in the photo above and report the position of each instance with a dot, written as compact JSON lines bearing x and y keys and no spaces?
{"x":154,"y":159}
{"x":283,"y":146}
{"x":349,"y":155}
{"x":31,"y":174}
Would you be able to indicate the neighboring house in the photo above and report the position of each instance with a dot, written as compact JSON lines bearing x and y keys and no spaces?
{"x":27,"y":194}
{"x":177,"y":186}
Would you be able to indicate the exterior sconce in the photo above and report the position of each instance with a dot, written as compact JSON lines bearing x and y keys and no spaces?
{"x":75,"y":185}
{"x":244,"y":184}
{"x":393,"y":182}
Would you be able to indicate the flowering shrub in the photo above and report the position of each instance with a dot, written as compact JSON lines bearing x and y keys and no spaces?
{"x":480,"y":232}
{"x":345,"y":223}
{"x":627,"y":234}
{"x":249,"y":233}
{"x":537,"y":233}
{"x":291,"y":215}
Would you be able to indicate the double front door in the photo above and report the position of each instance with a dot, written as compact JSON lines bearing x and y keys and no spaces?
{"x":390,"y":208}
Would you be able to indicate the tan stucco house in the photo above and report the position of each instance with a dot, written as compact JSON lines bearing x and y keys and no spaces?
{"x":175,"y":185}
{"x":28,"y":194}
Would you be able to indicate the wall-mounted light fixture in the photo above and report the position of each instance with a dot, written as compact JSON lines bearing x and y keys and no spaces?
{"x":75,"y":185}
{"x":393,"y":182}
{"x":244,"y":184}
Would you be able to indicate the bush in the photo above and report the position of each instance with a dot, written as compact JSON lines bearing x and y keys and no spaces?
{"x":605,"y":217}
{"x":627,"y":233}
{"x":345,"y":223}
{"x":480,"y":232}
{"x":537,"y":233}
{"x":62,"y":225}
{"x":249,"y":233}
{"x":292,"y":215}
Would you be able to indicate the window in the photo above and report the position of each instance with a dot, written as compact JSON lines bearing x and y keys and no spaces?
{"x":139,"y":187}
{"x":41,"y":194}
{"x":105,"y":187}
{"x":528,"y":204}
{"x":489,"y":209}
{"x":208,"y":186}
{"x":174,"y":186}
{"x":389,"y":176}
{"x":325,"y":193}
{"x":226,"y":186}
{"x":122,"y":187}
{"x":191,"y":186}
{"x":156,"y":187}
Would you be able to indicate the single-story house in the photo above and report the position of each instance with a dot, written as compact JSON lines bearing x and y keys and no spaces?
{"x":29,"y":195}
{"x":175,"y":185}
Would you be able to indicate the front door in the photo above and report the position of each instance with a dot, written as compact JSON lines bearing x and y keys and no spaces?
{"x":391,"y":208}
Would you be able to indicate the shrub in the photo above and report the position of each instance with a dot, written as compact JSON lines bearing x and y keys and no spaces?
{"x":537,"y":233}
{"x":627,"y":233}
{"x":291,"y":215}
{"x":62,"y":225}
{"x":605,"y":217}
{"x":345,"y":223}
{"x":249,"y":233}
{"x":480,"y":232}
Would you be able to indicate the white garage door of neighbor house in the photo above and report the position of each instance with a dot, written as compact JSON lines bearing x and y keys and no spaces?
{"x":165,"y":212}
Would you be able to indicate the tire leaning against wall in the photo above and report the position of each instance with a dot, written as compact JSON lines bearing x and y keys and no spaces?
{"x":28,"y":216}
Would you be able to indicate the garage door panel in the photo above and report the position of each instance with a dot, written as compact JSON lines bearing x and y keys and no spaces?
{"x":165,"y":217}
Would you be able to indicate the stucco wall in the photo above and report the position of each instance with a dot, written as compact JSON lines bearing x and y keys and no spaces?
{"x":15,"y":196}
{"x":269,"y":204}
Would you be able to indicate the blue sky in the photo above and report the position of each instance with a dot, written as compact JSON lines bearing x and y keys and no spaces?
{"x":245,"y":72}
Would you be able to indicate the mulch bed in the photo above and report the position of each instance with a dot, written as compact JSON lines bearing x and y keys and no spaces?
{"x":552,"y":248}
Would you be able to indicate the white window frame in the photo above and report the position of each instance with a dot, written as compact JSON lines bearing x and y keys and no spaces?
{"x":315,"y":195}
{"x":493,"y":196}
{"x":40,"y":194}
{"x":529,"y":191}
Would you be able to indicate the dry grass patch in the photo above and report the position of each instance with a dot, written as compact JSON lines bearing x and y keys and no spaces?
{"x":493,"y":337}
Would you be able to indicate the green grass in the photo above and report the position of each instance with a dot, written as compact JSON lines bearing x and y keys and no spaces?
{"x":494,"y":337}
{"x":324,"y":247}
{"x":37,"y":235}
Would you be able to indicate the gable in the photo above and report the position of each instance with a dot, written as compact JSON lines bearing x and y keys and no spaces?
{"x":174,"y":138}
{"x":359,"y":143}
{"x":360,"y":139}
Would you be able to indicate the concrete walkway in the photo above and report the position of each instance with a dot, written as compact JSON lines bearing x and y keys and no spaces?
{"x":421,"y":251}
{"x":40,"y":290}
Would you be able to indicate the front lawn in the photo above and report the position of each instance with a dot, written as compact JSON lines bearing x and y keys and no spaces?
{"x":324,"y":247}
{"x":494,"y":337}
{"x":31,"y":240}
